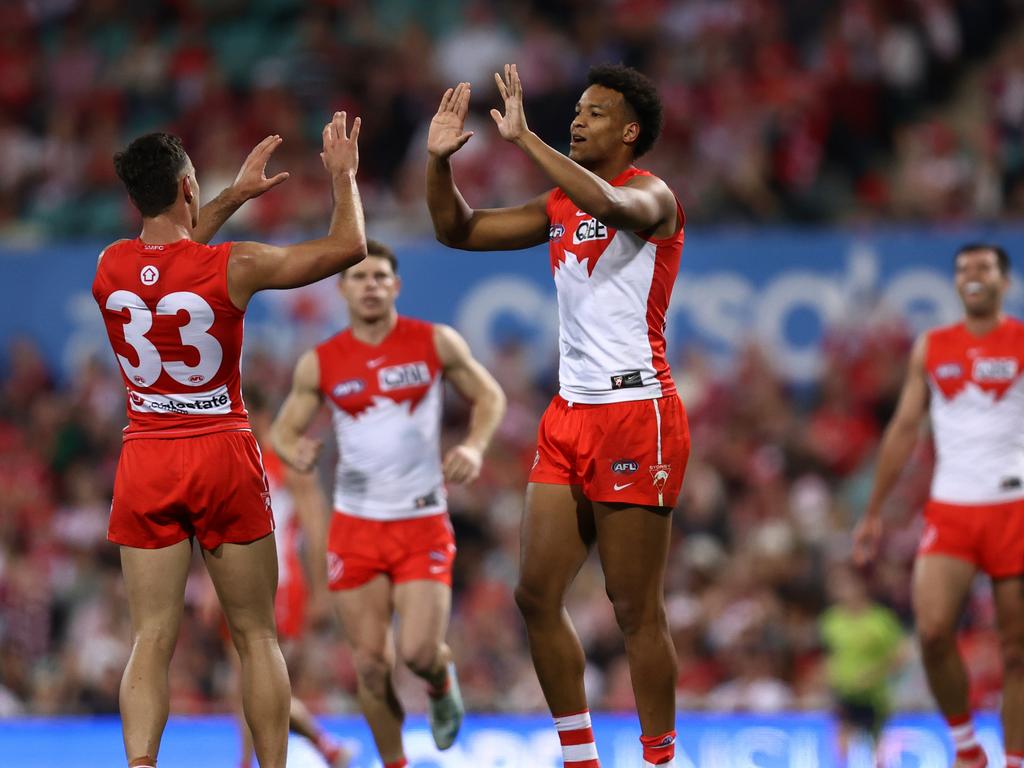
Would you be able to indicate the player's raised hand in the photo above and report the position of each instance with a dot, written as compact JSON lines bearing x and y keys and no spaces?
{"x":512,"y":125}
{"x":252,"y":180}
{"x":341,"y":148}
{"x":462,"y":464}
{"x":304,"y":454}
{"x":447,"y":135}
{"x":866,"y":538}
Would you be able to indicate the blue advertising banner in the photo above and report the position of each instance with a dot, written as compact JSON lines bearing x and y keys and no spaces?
{"x":491,"y":741}
{"x":781,"y":288}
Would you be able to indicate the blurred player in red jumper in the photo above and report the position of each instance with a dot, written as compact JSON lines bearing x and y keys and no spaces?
{"x":390,"y":548}
{"x":968,"y":378}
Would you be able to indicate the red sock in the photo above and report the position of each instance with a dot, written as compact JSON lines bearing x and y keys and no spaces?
{"x":328,"y":747}
{"x":577,"y":738}
{"x":1014,"y":759}
{"x":961,"y":729}
{"x":400,"y":763}
{"x":659,"y":750}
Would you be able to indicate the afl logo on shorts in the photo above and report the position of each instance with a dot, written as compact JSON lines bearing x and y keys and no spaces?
{"x":624,"y":466}
{"x":149,"y":274}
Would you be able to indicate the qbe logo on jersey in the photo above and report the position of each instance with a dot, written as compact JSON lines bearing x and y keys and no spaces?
{"x":995,"y":369}
{"x":403,"y":376}
{"x":589,"y":229}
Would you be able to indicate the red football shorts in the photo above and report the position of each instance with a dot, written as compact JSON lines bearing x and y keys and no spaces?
{"x":991,"y":536}
{"x":412,"y":549}
{"x":209,"y":486}
{"x":632,"y":453}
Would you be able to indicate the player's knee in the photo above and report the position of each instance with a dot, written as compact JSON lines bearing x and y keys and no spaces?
{"x":373,"y":669}
{"x":1013,"y":655}
{"x":155,"y":641}
{"x":935,"y":638}
{"x":421,"y":657}
{"x":633,"y":613}
{"x":535,"y":602}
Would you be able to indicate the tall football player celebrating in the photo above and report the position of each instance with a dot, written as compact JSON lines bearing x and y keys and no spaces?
{"x":613,"y":444}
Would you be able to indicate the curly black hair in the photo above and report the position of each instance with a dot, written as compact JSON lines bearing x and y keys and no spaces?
{"x":639,"y":93}
{"x":150,"y":168}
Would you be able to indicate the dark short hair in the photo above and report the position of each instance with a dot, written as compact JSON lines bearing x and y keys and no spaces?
{"x":640,"y":93}
{"x":381,"y":251}
{"x":1001,"y":255}
{"x":150,"y":168}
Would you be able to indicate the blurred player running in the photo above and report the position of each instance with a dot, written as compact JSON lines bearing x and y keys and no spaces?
{"x":390,"y":548}
{"x":968,"y":376}
{"x":190,"y":467}
{"x":289,"y":491}
{"x":614,"y":443}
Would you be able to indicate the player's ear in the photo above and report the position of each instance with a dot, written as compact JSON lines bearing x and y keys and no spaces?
{"x":631,"y":132}
{"x":186,"y":187}
{"x":398,"y":285}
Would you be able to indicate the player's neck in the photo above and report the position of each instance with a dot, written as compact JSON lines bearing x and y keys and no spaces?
{"x":979,"y":326}
{"x":373,"y":332}
{"x":610,"y":168}
{"x":166,"y":228}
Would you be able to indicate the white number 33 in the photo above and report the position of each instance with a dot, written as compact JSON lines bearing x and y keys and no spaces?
{"x":193,"y":334}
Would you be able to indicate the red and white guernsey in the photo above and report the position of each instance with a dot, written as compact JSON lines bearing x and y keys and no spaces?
{"x":977,"y":413}
{"x":613,"y":292}
{"x":386,"y":404}
{"x":176,"y":335}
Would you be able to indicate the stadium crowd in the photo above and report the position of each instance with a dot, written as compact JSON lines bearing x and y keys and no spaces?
{"x":776,"y":480}
{"x":775,"y":110}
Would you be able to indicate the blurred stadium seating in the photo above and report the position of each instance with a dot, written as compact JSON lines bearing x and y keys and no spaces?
{"x":894,"y":128}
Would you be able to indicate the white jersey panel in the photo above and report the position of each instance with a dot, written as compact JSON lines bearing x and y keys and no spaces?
{"x":603,"y":330}
{"x":389,"y":464}
{"x":979,"y":445}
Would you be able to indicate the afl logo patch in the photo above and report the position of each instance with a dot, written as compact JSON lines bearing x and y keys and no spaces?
{"x":555,"y":231}
{"x":350,"y":387}
{"x":149,"y":274}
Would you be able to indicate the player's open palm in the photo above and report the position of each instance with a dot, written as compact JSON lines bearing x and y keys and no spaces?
{"x":341,"y":148}
{"x":462,"y":464}
{"x":511,"y":125}
{"x":447,"y":131}
{"x":252,"y":180}
{"x":867,"y":537}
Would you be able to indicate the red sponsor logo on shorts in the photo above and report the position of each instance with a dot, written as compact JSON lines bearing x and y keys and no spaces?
{"x":659,"y":474}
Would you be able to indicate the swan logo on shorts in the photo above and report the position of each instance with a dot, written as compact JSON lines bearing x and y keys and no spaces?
{"x":659,"y":474}
{"x":149,"y":274}
{"x":536,"y":461}
{"x":624,"y":466}
{"x":335,"y":567}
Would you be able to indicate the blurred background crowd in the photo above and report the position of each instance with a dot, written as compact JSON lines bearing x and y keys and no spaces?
{"x":826,"y":111}
{"x":834,"y":111}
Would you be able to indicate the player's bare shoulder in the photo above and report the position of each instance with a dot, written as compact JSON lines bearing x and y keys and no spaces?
{"x":666,"y":201}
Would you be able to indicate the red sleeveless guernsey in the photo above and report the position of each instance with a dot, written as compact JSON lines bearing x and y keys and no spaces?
{"x":176,"y":335}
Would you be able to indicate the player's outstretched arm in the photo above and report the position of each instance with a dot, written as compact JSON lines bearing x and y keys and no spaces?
{"x":288,"y":432}
{"x":300,"y":453}
{"x":897,"y":444}
{"x":455,"y":223}
{"x":471,"y":379}
{"x":250,"y":182}
{"x":256,"y":266}
{"x":643,"y":204}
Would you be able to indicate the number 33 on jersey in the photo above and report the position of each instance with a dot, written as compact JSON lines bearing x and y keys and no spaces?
{"x":176,"y":335}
